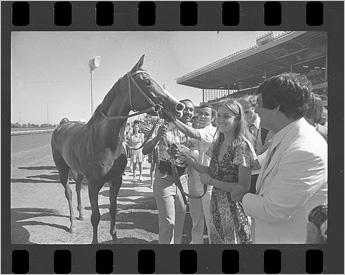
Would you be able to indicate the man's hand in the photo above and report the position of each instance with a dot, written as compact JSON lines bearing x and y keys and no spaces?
{"x":173,"y":151}
{"x":238,"y":191}
{"x":190,"y":158}
{"x":161,"y":131}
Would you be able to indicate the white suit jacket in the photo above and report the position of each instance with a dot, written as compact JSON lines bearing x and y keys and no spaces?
{"x":294,"y":182}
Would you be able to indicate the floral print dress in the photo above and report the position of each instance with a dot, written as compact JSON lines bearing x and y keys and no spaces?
{"x":228,"y":222}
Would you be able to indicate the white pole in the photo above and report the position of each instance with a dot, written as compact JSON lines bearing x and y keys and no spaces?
{"x":91,"y":95}
{"x":47,"y":115}
{"x":93,"y":64}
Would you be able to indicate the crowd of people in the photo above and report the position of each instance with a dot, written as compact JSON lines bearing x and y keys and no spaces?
{"x":251,"y":170}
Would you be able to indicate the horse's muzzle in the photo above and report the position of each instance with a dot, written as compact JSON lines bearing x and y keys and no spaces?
{"x":179,"y":109}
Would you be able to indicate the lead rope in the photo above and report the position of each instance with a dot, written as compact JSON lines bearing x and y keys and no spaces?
{"x":179,"y":184}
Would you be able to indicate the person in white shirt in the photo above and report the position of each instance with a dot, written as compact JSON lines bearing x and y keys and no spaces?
{"x":200,"y":141}
{"x":248,"y":103}
{"x":293,"y":179}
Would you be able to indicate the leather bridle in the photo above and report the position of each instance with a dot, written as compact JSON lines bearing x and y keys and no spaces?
{"x":154,"y":107}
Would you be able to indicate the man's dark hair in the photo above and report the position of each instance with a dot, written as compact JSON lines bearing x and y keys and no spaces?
{"x":207,"y":105}
{"x":187,"y":100}
{"x":290,"y":91}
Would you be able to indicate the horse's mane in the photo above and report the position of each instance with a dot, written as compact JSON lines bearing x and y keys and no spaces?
{"x":108,"y":99}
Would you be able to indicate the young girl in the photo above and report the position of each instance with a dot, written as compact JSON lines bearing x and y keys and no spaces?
{"x":136,"y":140}
{"x":229,"y":173}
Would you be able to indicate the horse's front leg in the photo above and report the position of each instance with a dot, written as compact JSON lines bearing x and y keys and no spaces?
{"x":115,"y":185}
{"x":94,"y":188}
{"x":79,"y":188}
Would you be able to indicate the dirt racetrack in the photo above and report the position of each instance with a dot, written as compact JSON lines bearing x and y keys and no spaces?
{"x":39,"y":209}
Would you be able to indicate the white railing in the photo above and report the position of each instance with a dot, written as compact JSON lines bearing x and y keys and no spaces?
{"x":17,"y":133}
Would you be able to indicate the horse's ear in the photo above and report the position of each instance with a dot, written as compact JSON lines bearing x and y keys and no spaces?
{"x":139,"y":64}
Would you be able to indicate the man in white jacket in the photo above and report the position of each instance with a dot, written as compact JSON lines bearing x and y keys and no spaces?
{"x":293,"y":179}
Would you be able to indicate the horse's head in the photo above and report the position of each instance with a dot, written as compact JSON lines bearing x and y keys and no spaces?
{"x":145,"y":92}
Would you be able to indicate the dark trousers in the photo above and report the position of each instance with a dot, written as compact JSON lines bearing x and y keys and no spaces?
{"x":252,"y":188}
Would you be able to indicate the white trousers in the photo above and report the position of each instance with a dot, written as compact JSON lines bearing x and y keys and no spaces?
{"x":199,"y":209}
{"x":171,"y":208}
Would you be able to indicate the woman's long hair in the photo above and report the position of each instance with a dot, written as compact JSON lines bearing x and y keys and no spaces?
{"x":241,"y":130}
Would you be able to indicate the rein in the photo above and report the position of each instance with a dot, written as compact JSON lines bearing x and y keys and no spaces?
{"x":179,"y":185}
{"x":154,"y":107}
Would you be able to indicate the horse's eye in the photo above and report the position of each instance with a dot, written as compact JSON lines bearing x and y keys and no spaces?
{"x":147,"y":81}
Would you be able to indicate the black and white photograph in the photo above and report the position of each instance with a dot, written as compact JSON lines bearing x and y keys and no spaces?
{"x":169,"y":137}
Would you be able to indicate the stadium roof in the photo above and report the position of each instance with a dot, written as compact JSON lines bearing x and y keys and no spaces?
{"x":290,"y":51}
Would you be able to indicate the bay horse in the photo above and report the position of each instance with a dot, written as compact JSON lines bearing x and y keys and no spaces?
{"x":95,"y":150}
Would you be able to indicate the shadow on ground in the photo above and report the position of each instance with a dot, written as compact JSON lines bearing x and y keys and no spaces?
{"x":19,"y":235}
{"x":39,"y":168}
{"x":52,"y":175}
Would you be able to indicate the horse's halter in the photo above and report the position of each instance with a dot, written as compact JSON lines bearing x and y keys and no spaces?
{"x":154,"y":107}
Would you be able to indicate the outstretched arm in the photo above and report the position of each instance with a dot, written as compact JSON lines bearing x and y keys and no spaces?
{"x":187,"y":130}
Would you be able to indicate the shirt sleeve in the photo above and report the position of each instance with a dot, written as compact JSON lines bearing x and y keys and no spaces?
{"x":245,"y":156}
{"x":206,"y":135}
{"x":296,"y":181}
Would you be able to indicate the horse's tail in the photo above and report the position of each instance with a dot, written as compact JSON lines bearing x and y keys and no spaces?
{"x":117,"y":169}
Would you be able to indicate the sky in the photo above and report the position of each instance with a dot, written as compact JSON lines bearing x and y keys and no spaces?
{"x":50,"y":76}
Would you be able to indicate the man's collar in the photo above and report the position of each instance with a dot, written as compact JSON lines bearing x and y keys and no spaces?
{"x":256,"y":122}
{"x":283,"y":132}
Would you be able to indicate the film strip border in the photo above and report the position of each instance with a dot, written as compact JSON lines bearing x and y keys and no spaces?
{"x":147,"y":14}
{"x":124,"y":259}
{"x":181,"y":16}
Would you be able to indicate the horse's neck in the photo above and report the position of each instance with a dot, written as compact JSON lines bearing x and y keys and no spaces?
{"x":109,"y":132}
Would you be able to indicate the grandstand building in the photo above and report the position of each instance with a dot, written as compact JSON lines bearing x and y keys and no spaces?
{"x":243,"y":71}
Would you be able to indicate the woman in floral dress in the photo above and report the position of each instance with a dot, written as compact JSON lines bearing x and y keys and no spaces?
{"x":229,"y":173}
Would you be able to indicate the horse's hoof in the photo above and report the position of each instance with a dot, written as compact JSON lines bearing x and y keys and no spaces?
{"x":72,"y":230}
{"x":115,"y":239}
